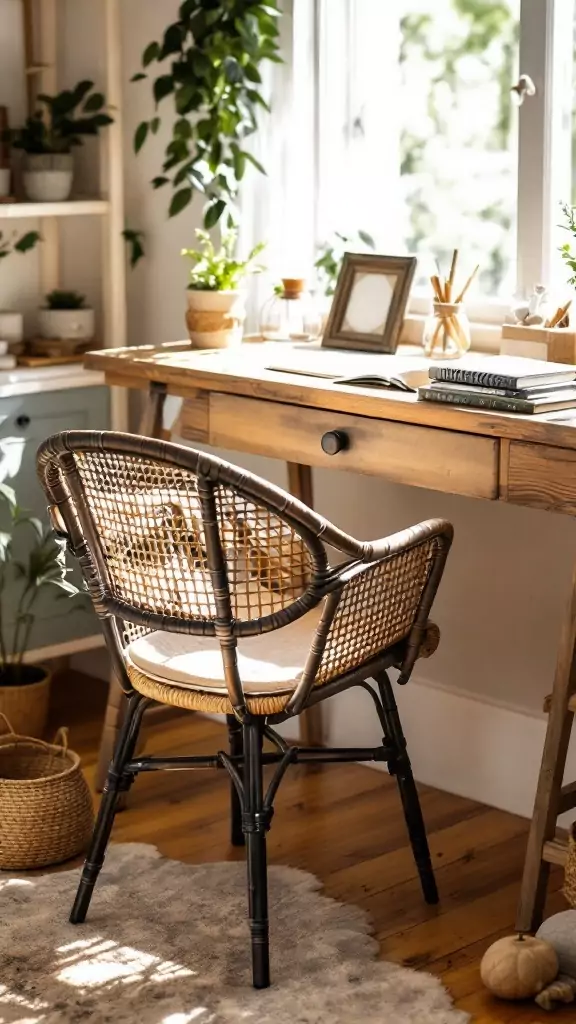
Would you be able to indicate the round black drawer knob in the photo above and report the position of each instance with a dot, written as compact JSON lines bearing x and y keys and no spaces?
{"x":334,"y":441}
{"x":23,"y":420}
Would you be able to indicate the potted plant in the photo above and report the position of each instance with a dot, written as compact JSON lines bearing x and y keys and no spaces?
{"x":211,"y":58}
{"x":31,"y":560}
{"x":216,"y":311}
{"x":49,"y":136}
{"x":66,"y":317}
{"x":12,"y":322}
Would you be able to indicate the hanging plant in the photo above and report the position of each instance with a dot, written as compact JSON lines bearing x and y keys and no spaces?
{"x":216,"y":49}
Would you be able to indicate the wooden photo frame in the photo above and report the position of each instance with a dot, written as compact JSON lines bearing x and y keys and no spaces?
{"x":369,"y":302}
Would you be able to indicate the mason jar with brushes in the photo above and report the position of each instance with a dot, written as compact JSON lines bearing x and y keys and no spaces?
{"x":447,"y":329}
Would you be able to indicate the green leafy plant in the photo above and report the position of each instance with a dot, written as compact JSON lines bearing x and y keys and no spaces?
{"x":32,"y":559}
{"x":217,"y":270}
{"x":331,"y":255}
{"x":65,"y":300}
{"x":22,"y":244}
{"x":215,"y":48}
{"x":62,"y":121}
{"x":566,"y":250}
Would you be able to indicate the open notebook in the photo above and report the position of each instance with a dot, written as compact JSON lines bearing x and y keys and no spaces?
{"x":354,"y":369}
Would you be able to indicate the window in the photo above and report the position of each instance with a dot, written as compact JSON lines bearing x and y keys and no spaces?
{"x":421,"y":142}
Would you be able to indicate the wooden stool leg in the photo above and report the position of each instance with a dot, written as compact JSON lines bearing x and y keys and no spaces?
{"x":300,"y":485}
{"x":548,"y":794}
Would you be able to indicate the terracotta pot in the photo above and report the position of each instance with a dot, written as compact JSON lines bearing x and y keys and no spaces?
{"x":215,"y":319}
{"x":26,"y":704}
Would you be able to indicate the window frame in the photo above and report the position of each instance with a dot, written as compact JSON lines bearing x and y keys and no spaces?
{"x":544,"y":144}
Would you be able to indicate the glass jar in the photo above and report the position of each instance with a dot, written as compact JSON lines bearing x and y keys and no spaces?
{"x":446,"y":331}
{"x":290,"y":314}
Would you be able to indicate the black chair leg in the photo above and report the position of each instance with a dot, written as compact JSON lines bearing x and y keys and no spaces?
{"x":401,"y":768}
{"x":255,"y":823}
{"x":116,"y":783}
{"x":236,"y":749}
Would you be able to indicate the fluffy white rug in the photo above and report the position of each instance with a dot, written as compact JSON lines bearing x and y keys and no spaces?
{"x":167,"y":943}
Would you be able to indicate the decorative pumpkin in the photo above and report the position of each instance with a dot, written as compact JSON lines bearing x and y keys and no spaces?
{"x":518,"y":966}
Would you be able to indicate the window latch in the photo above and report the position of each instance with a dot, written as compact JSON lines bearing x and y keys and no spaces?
{"x":524,"y":88}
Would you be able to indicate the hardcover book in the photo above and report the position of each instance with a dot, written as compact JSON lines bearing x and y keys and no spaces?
{"x":509,"y":372}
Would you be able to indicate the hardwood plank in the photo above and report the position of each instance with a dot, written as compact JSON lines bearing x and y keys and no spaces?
{"x":451,"y":462}
{"x":344,"y":823}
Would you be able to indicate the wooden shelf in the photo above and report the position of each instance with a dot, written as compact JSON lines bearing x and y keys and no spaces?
{"x":69,"y":208}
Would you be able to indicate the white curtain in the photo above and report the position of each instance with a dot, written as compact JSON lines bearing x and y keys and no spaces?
{"x":279,"y":207}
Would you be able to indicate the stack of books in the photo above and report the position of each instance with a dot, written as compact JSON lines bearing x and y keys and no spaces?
{"x":503,"y":383}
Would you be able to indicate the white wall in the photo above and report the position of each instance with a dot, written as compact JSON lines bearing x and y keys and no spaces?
{"x":473,"y":712}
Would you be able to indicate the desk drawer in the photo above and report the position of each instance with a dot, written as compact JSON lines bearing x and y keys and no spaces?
{"x":541,"y":477}
{"x":443,"y":460}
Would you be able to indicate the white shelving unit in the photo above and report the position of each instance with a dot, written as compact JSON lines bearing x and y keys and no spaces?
{"x":71,"y":208}
{"x":42,"y":72}
{"x":40,"y":18}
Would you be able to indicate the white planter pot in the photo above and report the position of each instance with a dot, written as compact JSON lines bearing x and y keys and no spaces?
{"x":66,"y":324}
{"x":5,"y":176}
{"x":11,"y":326}
{"x":48,"y":177}
{"x":215,"y":319}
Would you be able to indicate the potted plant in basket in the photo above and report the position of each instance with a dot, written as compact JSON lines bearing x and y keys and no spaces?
{"x":49,"y":135}
{"x":215,"y":301}
{"x":31,"y":560}
{"x":66,"y":318}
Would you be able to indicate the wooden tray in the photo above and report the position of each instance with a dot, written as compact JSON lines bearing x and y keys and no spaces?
{"x":36,"y":361}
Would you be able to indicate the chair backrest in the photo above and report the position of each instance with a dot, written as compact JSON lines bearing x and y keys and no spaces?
{"x":172,"y":538}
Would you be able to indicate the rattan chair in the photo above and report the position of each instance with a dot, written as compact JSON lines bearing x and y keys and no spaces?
{"x":215,"y":593}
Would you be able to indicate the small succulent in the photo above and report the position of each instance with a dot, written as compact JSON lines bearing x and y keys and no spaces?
{"x":65,"y":300}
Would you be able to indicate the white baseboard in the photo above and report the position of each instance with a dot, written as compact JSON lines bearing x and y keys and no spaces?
{"x":485,"y":751}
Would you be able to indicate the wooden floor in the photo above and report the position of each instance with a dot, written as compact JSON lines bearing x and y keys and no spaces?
{"x":344,"y":824}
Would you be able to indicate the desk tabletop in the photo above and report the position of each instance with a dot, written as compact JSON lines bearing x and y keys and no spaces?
{"x":245,"y":371}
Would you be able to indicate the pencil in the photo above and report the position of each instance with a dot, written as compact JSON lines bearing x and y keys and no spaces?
{"x":468,"y":283}
{"x":450,"y":281}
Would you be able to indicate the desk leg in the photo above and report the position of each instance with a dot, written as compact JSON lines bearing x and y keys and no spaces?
{"x":300,"y":485}
{"x":150,"y":426}
{"x":549,"y":791}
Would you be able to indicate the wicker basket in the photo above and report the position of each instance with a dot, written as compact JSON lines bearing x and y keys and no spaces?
{"x":26,"y":707}
{"x":46,"y":813}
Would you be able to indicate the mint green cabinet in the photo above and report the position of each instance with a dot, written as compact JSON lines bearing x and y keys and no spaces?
{"x":25,"y":421}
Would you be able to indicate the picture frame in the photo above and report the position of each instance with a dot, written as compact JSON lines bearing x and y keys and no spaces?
{"x":369,"y":302}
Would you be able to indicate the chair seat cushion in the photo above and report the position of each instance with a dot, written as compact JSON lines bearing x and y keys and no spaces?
{"x":271,"y":663}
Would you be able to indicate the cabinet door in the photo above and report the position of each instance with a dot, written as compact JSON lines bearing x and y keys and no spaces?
{"x":25,"y":421}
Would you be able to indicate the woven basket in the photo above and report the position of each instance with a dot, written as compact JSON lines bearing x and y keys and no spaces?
{"x":46,"y":813}
{"x":570,"y":869}
{"x":26,"y":707}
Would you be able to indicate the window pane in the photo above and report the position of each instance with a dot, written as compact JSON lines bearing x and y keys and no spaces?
{"x":420,"y":148}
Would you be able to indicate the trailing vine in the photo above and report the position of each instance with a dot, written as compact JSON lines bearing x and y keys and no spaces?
{"x":216,"y":48}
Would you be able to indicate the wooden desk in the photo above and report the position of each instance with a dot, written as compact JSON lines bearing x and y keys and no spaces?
{"x":232,"y":401}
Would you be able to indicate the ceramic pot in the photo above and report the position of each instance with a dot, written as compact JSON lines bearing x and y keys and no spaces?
{"x":25,"y":702}
{"x":48,"y":176}
{"x":215,"y":319}
{"x":5,"y":176}
{"x":66,"y":324}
